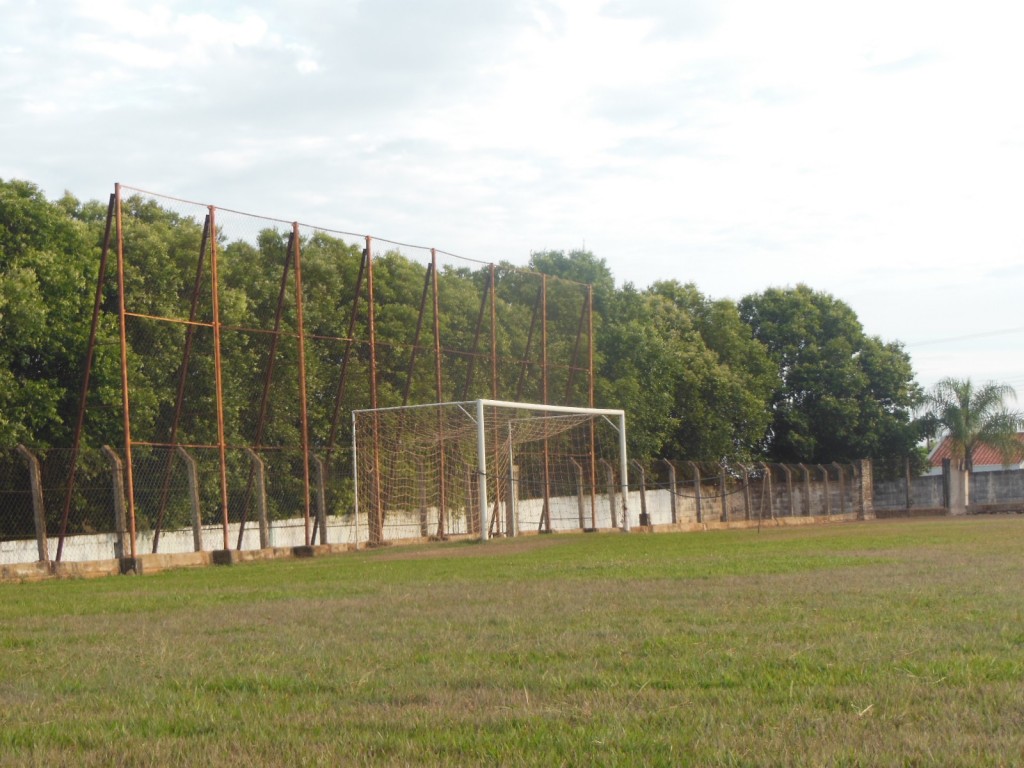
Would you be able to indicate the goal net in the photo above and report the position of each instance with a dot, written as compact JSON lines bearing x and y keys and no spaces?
{"x":488,"y":468}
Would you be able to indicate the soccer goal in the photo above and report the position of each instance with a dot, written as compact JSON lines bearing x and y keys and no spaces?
{"x":488,"y":468}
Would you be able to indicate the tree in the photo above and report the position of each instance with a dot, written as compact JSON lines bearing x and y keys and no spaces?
{"x":842,"y":395}
{"x":47,"y":281}
{"x":728,"y":416}
{"x":972,"y":417}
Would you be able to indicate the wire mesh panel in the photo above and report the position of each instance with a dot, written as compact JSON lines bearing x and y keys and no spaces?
{"x":447,"y":469}
{"x":17,"y":522}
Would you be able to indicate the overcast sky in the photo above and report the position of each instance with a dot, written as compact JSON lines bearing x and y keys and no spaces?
{"x":874,"y":150}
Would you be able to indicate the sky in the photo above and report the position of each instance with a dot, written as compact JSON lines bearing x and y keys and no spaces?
{"x":872,"y":150}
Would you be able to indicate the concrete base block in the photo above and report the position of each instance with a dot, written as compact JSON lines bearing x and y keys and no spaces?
{"x":226,"y":556}
{"x":131,"y":565}
{"x":25,"y":571}
{"x":303,"y":551}
{"x":87,"y":569}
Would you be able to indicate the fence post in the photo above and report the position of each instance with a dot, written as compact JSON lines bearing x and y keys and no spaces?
{"x":645,"y":518}
{"x":321,"y":496}
{"x":261,"y":498}
{"x":580,"y":488}
{"x":828,"y":493}
{"x":858,"y":501}
{"x":842,"y":488}
{"x":609,"y":474}
{"x":696,"y":488}
{"x":673,"y":496}
{"x":766,"y":488}
{"x":789,"y":489}
{"x":511,"y":529}
{"x":746,"y":490}
{"x":862,"y":471}
{"x":725,"y":497}
{"x":807,"y":490}
{"x":38,"y":507}
{"x":906,"y":474}
{"x":421,"y":486}
{"x":120,"y":524}
{"x":193,"y":495}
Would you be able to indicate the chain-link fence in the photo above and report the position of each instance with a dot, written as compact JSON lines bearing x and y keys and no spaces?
{"x":228,"y":352}
{"x":177,"y":497}
{"x":41,"y":520}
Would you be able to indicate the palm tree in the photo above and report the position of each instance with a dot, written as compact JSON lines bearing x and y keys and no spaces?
{"x":972,"y":417}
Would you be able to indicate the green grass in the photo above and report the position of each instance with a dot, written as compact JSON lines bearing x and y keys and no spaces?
{"x":879,"y":643}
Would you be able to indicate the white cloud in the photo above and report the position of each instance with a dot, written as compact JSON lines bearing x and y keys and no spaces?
{"x":869,"y":149}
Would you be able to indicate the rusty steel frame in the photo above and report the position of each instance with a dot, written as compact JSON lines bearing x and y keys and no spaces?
{"x":571,"y":376}
{"x":76,"y":441}
{"x":538,"y":302}
{"x":377,"y":524}
{"x":261,"y":419}
{"x":471,"y":363}
{"x":442,"y":508}
{"x":590,"y":403}
{"x":539,"y":316}
{"x":180,"y":396}
{"x":218,"y":375}
{"x":499,"y":480}
{"x":303,"y":412}
{"x":125,"y":400}
{"x":349,"y":343}
{"x":546,"y":514}
{"x":416,"y":337}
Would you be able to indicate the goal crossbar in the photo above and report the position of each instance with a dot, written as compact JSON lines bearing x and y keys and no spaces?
{"x":616,"y":412}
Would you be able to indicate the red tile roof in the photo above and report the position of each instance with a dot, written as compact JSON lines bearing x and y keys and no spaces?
{"x":983,"y":454}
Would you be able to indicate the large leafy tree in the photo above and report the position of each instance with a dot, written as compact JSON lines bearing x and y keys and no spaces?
{"x":48,"y":263}
{"x":841,"y":394}
{"x":729,"y":416}
{"x":973,"y":416}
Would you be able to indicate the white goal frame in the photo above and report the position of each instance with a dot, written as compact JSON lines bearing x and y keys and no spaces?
{"x":475,"y":411}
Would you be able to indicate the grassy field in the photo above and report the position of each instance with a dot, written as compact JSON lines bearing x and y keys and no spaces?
{"x":876,"y":643}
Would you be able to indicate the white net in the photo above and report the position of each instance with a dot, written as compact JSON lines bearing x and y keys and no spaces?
{"x":419,"y":472}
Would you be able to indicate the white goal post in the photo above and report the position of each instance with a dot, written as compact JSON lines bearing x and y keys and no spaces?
{"x":461,"y":467}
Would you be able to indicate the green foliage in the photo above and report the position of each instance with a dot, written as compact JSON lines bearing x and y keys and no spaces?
{"x":785,"y":374}
{"x":47,"y":282}
{"x":974,"y":416}
{"x":841,"y":394}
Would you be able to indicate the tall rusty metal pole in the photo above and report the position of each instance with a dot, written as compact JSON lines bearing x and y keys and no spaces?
{"x":349,"y":343}
{"x":268,"y":378}
{"x":377,"y":524}
{"x":442,"y":504}
{"x":575,"y":360}
{"x":371,"y":319}
{"x":89,"y":354}
{"x":521,"y":383}
{"x":416,"y":338}
{"x":303,"y":411}
{"x":179,"y":399}
{"x":218,"y":375}
{"x":499,"y":478}
{"x":494,"y":336}
{"x":590,"y":404}
{"x":125,"y":404}
{"x":546,"y":516}
{"x":471,"y":366}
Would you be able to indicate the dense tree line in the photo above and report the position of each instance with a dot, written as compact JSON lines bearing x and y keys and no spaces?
{"x":787,"y":374}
